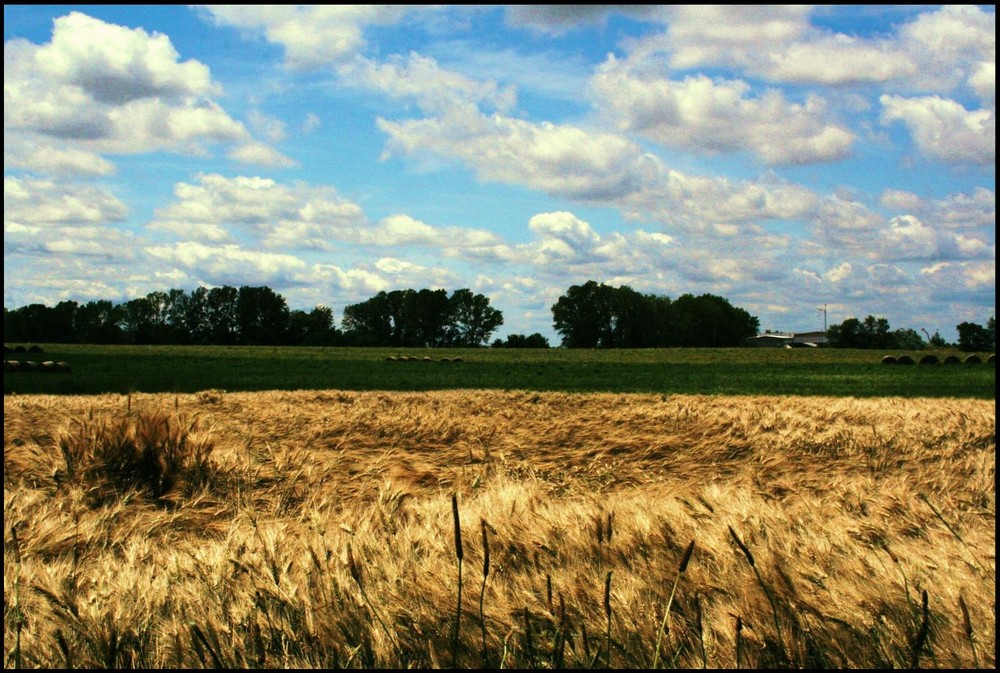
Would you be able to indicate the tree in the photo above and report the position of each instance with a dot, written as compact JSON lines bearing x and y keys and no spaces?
{"x":372,"y":322}
{"x":937,"y":341}
{"x":595,"y":315}
{"x":98,"y":322}
{"x":535,"y":340}
{"x":852,"y":333}
{"x":222,"y":314}
{"x":473,"y":320}
{"x":583,"y":316}
{"x":426,"y":318}
{"x":974,"y":337}
{"x":907,"y":339}
{"x":262,"y":315}
{"x":315,"y":328}
{"x":137,"y":320}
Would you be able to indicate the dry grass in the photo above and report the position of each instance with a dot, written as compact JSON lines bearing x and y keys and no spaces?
{"x":307,"y":529}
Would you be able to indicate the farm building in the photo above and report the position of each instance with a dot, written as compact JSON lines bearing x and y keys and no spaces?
{"x":787,"y":340}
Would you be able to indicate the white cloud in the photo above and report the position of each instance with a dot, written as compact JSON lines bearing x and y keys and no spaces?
{"x":557,"y":159}
{"x":705,"y":115}
{"x":276,"y":214}
{"x":45,"y":157}
{"x":420,"y":78}
{"x":943,"y":129}
{"x":98,"y":87}
{"x":907,"y":237}
{"x":229,"y":264}
{"x":261,"y":155}
{"x":938,"y":49}
{"x":46,"y":202}
{"x":312,"y":36}
{"x":115,"y":65}
{"x":976,"y":210}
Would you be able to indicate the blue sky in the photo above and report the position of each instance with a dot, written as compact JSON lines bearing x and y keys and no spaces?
{"x":786,"y":158}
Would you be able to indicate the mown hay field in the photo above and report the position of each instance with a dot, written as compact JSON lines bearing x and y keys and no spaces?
{"x":499,"y":529}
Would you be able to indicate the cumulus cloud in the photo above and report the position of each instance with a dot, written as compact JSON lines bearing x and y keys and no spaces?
{"x":907,"y":237}
{"x":312,"y":36}
{"x":229,"y":264}
{"x":702,"y":114}
{"x":943,"y":129}
{"x":299,"y":216}
{"x":216,"y":207}
{"x":975,"y":210}
{"x":558,"y":159}
{"x":46,"y":202}
{"x":98,"y":87}
{"x":420,"y":78}
{"x":558,"y":19}
{"x":937,"y":49}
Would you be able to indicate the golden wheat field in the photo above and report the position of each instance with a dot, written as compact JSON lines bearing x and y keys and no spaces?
{"x":498,"y":529}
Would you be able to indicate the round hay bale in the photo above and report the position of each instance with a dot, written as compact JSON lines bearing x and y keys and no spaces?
{"x":48,"y":366}
{"x":35,"y":349}
{"x":992,"y":358}
{"x":11,"y":365}
{"x":8,"y":349}
{"x":428,"y":358}
{"x":391,"y":358}
{"x":20,"y":349}
{"x":445,"y":359}
{"x":929,"y":360}
{"x":29,"y":366}
{"x":905,"y":360}
{"x":457,"y":360}
{"x":973,"y":360}
{"x":952,"y":360}
{"x":63,"y":367}
{"x":889,"y":360}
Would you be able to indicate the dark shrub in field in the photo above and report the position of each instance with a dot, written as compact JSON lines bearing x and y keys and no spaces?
{"x":151,"y":452}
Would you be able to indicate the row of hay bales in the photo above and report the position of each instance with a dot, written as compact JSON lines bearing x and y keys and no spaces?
{"x":31,"y":366}
{"x":931,"y":359}
{"x":426,"y":358}
{"x":21,"y":349}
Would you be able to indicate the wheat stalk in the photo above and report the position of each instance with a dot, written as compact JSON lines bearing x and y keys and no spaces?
{"x":967,"y":628}
{"x":458,"y":555}
{"x":760,"y":580}
{"x":482,"y":590}
{"x":682,"y":567}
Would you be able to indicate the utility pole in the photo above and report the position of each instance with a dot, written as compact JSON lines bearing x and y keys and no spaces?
{"x":824,"y":316}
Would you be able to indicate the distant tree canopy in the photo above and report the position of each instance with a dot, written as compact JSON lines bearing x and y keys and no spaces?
{"x":422,"y":318}
{"x":595,"y":315}
{"x":535,"y":340}
{"x":973,"y":337}
{"x":222,"y":315}
{"x":875,"y":332}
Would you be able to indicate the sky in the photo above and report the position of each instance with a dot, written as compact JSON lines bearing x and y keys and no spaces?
{"x":808,"y":163}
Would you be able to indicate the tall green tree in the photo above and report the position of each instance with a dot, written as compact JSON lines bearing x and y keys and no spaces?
{"x":872,"y":332}
{"x":583,"y":316}
{"x":975,"y":337}
{"x":222,"y":314}
{"x":262,"y":315}
{"x":473,"y":320}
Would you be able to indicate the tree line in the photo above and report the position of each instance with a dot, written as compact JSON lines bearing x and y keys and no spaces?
{"x":259,"y":316}
{"x":591,"y":315}
{"x":875,"y":332}
{"x":595,"y":315}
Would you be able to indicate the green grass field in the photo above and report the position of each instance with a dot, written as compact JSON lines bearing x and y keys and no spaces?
{"x":158,"y":369}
